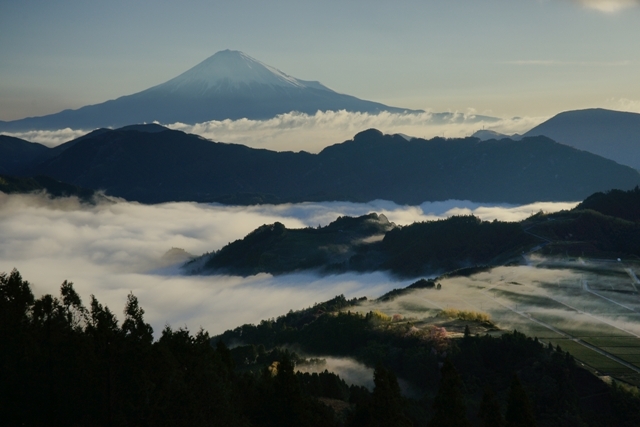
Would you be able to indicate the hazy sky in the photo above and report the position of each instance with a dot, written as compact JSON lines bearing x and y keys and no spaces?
{"x":498,"y":57}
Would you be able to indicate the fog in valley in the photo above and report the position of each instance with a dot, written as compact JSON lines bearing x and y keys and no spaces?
{"x":588,"y":307}
{"x":115,"y":247}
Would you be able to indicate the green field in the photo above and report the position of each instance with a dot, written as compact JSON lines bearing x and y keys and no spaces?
{"x":591,"y":303}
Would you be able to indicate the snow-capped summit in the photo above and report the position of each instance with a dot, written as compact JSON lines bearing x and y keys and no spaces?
{"x":232,"y":68}
{"x":227,"y":85}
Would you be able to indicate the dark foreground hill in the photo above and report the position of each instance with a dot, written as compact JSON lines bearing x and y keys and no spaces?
{"x":371,"y":243}
{"x":67,"y":364}
{"x":164,"y":165}
{"x":611,"y":134}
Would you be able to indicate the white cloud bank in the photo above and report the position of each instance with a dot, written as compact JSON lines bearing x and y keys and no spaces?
{"x":297,"y":131}
{"x":50,"y":138}
{"x":112,"y":248}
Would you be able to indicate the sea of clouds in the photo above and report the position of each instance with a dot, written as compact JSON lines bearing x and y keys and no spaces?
{"x":115,"y":247}
{"x":304,"y":132}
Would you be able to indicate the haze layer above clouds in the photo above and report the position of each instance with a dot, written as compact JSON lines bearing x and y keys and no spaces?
{"x":112,"y":248}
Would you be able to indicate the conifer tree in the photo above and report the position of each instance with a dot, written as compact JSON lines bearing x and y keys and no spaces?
{"x":519,"y":411}
{"x":489,"y":412}
{"x":387,"y":400}
{"x":449,"y":408}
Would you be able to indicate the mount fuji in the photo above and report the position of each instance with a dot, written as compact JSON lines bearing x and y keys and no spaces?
{"x":227,"y":85}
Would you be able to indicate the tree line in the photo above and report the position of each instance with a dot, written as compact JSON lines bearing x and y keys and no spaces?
{"x":66,"y":364}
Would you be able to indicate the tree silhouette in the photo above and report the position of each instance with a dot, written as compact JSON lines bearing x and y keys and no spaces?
{"x":449,"y":408}
{"x":386,"y":405}
{"x":489,"y":412}
{"x":519,"y":412}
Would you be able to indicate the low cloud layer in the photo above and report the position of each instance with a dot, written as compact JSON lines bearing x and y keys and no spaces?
{"x":113,"y":248}
{"x":581,"y":298}
{"x":304,"y":132}
{"x":50,"y":138}
{"x":297,"y":131}
{"x":351,"y":371}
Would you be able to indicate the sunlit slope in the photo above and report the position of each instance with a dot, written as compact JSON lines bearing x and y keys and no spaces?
{"x":589,"y":308}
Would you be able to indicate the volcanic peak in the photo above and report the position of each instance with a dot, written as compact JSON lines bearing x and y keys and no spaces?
{"x":232,"y":68}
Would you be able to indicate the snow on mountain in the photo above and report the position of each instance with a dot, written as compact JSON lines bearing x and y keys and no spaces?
{"x":230,"y":69}
{"x":227,"y":85}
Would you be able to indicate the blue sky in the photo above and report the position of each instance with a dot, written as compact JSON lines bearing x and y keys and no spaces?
{"x":498,"y":57}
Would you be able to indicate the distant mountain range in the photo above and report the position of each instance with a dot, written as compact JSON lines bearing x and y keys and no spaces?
{"x":151,"y":164}
{"x":486,"y":135}
{"x":227,"y":85}
{"x":611,"y":134}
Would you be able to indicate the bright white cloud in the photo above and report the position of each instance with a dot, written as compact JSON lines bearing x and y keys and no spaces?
{"x":50,"y":138}
{"x":111,"y":248}
{"x":297,"y":131}
{"x":609,"y":6}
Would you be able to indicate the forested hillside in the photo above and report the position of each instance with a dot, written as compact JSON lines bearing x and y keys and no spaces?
{"x":65,"y":364}
{"x":604,"y":225}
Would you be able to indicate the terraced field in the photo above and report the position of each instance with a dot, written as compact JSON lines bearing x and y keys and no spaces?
{"x":589,"y":308}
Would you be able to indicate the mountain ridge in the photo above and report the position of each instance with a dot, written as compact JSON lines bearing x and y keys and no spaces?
{"x":608,"y":133}
{"x":168,"y":165}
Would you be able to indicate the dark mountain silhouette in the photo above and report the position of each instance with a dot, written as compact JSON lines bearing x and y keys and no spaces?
{"x":169,"y":165}
{"x":459,"y":244}
{"x":369,"y":243}
{"x":227,"y":85}
{"x":620,"y":204}
{"x":486,"y":135}
{"x":611,"y":134}
{"x":53,"y":188}
{"x":275,"y":249}
{"x":16,"y":152}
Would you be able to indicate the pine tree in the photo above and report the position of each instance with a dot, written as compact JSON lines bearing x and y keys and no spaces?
{"x":387,"y":400}
{"x":449,"y":408}
{"x":489,"y":411}
{"x":519,"y":412}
